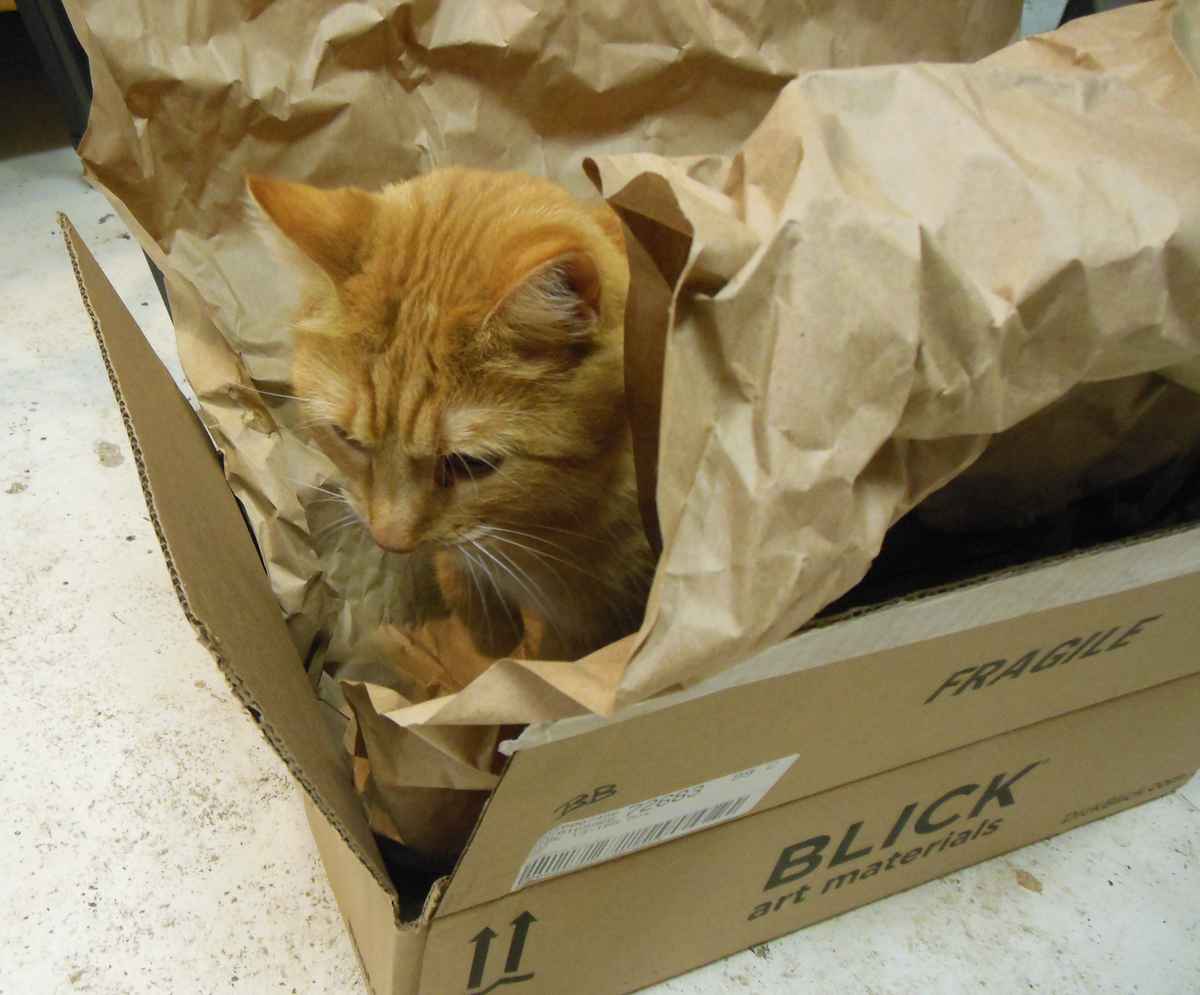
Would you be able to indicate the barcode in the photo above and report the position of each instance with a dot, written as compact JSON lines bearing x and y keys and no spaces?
{"x":635,"y":839}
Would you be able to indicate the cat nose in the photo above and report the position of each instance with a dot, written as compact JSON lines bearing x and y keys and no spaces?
{"x":393,"y":540}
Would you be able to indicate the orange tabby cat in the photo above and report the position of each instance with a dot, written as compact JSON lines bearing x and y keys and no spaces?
{"x":460,"y":355}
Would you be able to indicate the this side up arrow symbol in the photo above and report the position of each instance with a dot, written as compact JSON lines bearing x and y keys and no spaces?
{"x":482,"y":940}
{"x":520,"y":930}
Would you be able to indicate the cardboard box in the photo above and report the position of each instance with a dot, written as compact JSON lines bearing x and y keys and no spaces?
{"x":849,"y":763}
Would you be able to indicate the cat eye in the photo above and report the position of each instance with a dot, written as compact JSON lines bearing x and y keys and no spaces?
{"x":456,"y":467}
{"x":344,"y":437}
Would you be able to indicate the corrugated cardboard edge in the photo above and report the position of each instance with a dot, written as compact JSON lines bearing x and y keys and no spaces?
{"x":389,"y":953}
{"x":70,"y":237}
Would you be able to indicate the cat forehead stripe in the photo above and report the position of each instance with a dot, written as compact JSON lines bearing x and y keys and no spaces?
{"x":459,"y":422}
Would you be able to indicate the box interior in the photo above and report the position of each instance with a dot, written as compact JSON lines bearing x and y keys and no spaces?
{"x":916,"y":560}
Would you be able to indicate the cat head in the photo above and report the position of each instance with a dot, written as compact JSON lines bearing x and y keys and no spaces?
{"x":459,"y":350}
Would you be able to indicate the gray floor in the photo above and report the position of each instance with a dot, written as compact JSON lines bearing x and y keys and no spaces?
{"x":151,"y":843}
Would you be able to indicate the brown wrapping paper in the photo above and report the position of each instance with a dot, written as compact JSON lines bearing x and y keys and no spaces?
{"x":826,"y":326}
{"x":926,"y":256}
{"x":423,"y":787}
{"x":187,"y":100}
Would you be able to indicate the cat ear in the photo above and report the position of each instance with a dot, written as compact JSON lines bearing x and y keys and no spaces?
{"x":556,"y":303}
{"x":327,"y":226}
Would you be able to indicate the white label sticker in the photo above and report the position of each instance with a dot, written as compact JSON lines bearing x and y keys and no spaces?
{"x":599,"y":838}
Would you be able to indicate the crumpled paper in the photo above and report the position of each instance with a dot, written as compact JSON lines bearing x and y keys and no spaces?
{"x":898,"y":264}
{"x":189,"y":99}
{"x":422,"y":787}
{"x":186,"y":102}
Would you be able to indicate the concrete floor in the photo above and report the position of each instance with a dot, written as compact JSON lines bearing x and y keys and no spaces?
{"x":150,"y":841}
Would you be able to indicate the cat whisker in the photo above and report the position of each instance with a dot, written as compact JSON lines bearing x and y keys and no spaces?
{"x":504,"y":559}
{"x":566,"y":588}
{"x":570,"y":532}
{"x":613,"y":594}
{"x":609,"y":593}
{"x":528,"y":584}
{"x":495,"y":586}
{"x":483,"y":607}
{"x":328,"y":498}
{"x":540,"y":555}
{"x":494,"y":533}
{"x":334,"y":527}
{"x":537,"y":595}
{"x":531,"y":536}
{"x":271,"y":393}
{"x":315,"y":487}
{"x":337,"y":526}
{"x":535,"y":591}
{"x":608,"y":598}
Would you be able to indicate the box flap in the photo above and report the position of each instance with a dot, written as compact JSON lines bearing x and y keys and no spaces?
{"x":213,"y":563}
{"x":844,"y":721}
{"x":1005,"y":595}
{"x":389,"y":953}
